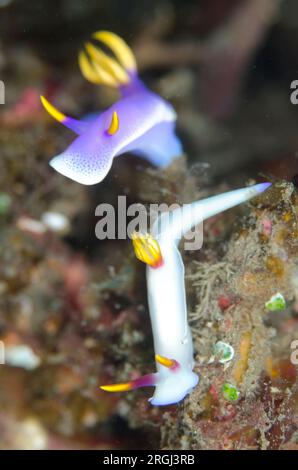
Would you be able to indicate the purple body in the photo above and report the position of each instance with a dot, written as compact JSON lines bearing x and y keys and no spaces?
{"x":146,"y":128}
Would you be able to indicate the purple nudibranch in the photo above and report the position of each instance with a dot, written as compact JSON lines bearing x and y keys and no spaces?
{"x":141,"y":122}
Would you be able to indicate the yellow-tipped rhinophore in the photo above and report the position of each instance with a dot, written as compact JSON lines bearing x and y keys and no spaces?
{"x":124,"y":387}
{"x":119,"y":48}
{"x":164,"y":361}
{"x":114,"y":126}
{"x":54,"y":112}
{"x":109,"y":65}
{"x":147,"y":249}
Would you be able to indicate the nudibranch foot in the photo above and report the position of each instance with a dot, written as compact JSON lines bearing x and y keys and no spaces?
{"x":174,"y":387}
{"x":175,"y":382}
{"x":160,"y":145}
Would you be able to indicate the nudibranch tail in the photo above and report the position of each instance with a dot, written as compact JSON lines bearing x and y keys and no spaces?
{"x":147,"y":249}
{"x":222,"y":202}
{"x":97,"y":67}
{"x":261,"y":187}
{"x":174,"y":225}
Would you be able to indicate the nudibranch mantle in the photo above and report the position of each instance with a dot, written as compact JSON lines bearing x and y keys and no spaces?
{"x":145,"y":121}
{"x":167,"y":299}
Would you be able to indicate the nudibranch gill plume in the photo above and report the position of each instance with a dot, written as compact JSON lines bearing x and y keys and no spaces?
{"x":173,"y":345}
{"x":141,"y":122}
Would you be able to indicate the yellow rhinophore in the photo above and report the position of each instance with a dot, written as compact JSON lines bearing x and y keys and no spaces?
{"x":54,"y":112}
{"x":124,"y":387}
{"x":147,"y":249}
{"x":114,"y":126}
{"x":164,"y":361}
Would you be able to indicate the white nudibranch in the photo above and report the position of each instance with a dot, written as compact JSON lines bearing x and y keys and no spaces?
{"x":173,"y":345}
